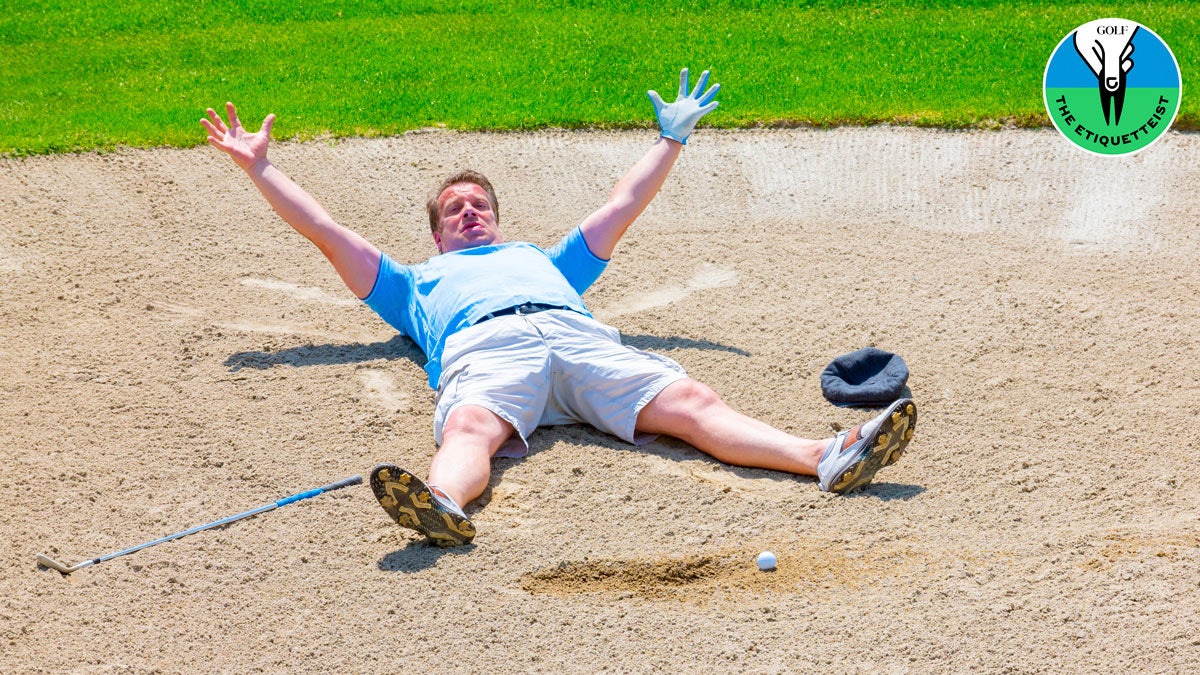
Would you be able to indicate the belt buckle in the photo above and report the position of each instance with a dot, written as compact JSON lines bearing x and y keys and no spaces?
{"x":524,"y":309}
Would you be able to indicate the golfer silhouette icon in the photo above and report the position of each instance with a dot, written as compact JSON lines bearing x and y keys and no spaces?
{"x":1107,"y":52}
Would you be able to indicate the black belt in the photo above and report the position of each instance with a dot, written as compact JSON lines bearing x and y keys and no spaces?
{"x":520,"y":310}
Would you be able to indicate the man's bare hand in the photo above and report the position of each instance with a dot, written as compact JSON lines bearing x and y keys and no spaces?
{"x":246,"y":149}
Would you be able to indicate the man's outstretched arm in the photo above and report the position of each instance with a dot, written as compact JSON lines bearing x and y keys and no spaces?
{"x":637,"y":188}
{"x":354,"y":258}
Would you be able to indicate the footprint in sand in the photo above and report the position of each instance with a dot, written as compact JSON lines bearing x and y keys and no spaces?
{"x":307,"y":294}
{"x":707,"y":276}
{"x":172,"y":309}
{"x":8,"y":261}
{"x":381,"y":388}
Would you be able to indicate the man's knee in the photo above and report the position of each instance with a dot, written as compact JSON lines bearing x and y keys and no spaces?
{"x":473,"y":420}
{"x":686,"y":398}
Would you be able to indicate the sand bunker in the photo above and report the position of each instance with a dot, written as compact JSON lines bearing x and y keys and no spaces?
{"x":172,"y":353}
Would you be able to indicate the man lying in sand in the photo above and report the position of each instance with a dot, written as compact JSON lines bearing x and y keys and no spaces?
{"x":511,"y":345}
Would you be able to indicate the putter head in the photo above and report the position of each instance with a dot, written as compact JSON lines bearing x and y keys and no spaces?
{"x":45,"y":561}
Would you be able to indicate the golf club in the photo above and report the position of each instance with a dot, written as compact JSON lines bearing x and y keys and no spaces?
{"x":46,"y":561}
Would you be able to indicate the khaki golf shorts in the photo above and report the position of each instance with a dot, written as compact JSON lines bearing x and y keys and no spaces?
{"x":547,"y":368}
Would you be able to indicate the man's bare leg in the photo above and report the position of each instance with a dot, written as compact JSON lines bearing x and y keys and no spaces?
{"x":692,"y":412}
{"x":459,"y":473}
{"x":461,"y":467}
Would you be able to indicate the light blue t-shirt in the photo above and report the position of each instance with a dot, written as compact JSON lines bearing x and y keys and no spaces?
{"x":431,"y":301}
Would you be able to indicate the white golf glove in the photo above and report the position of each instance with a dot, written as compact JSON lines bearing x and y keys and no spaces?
{"x":679,"y":118}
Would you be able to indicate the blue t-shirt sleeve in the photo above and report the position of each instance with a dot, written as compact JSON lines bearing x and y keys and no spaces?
{"x":392,"y":294}
{"x":576,"y":261}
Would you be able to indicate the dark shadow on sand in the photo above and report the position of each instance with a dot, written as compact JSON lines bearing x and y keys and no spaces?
{"x":419,"y":555}
{"x":398,"y":347}
{"x":679,"y":451}
{"x":655,"y":343}
{"x":886,"y":492}
{"x":401,"y":347}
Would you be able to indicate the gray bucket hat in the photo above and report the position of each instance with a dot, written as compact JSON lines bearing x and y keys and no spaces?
{"x":867,"y":378}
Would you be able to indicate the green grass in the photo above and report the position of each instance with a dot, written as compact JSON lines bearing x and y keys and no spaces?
{"x":83,"y":74}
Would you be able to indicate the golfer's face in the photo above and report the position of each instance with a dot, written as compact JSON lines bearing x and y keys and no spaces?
{"x":467,"y":219}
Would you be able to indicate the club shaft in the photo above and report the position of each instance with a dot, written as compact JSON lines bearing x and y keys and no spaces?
{"x":198,"y":528}
{"x":353,"y":480}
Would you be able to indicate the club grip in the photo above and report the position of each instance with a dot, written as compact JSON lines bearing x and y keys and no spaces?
{"x":345,"y":482}
{"x":353,"y":480}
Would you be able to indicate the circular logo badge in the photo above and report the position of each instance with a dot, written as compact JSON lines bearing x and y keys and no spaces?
{"x":1112,"y":87}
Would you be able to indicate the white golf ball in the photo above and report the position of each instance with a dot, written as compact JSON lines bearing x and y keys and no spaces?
{"x":766,"y":561}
